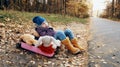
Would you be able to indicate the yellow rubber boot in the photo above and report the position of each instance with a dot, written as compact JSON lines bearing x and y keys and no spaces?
{"x":69,"y":46}
{"x":75,"y":44}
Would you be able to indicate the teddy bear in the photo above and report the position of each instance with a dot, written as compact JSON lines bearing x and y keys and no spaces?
{"x":28,"y":39}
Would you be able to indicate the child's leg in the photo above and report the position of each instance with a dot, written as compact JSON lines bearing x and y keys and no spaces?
{"x":73,"y":40}
{"x":69,"y":34}
{"x":62,"y":37}
{"x":75,"y":43}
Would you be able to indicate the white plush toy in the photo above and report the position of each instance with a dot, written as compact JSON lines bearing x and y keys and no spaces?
{"x":47,"y":41}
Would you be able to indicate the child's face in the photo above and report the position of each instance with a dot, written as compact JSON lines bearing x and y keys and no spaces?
{"x":44,"y":25}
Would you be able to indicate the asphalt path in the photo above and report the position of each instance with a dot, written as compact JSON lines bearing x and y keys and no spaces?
{"x":104,"y":45}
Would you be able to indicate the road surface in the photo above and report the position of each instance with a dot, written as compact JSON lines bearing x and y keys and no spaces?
{"x":104,"y":45}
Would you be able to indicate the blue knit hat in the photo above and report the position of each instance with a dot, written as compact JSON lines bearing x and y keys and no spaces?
{"x":38,"y":20}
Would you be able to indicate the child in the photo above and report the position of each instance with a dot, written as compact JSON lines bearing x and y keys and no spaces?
{"x":42,"y":28}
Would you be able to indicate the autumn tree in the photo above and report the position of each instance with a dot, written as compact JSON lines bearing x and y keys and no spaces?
{"x":76,"y":8}
{"x":112,"y":10}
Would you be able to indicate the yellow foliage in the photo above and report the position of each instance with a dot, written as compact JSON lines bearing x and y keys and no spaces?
{"x":78,"y":9}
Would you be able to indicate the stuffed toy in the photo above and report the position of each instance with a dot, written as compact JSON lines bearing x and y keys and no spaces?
{"x":47,"y":44}
{"x":28,"y":39}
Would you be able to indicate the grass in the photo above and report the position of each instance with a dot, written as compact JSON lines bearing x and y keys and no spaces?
{"x":18,"y":16}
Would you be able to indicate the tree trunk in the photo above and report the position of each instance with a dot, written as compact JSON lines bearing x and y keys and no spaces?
{"x":113,"y":8}
{"x":1,"y":4}
{"x":64,"y":6}
{"x":118,"y":9}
